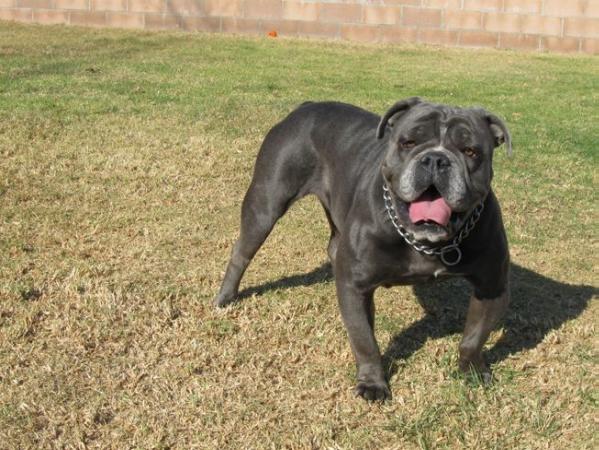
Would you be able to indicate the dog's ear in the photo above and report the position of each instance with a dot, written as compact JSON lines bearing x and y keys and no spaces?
{"x":499,"y":131}
{"x":394,"y":113}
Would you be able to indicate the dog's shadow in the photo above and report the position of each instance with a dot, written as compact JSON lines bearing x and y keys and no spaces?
{"x":321,"y":274}
{"x":539,"y":305}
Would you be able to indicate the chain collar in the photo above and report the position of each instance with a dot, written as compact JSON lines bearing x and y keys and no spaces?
{"x":445,"y":252}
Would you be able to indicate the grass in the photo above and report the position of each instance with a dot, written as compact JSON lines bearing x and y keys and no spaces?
{"x":124,"y":157}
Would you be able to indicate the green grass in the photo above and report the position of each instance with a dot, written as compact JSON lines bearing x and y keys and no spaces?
{"x":124,"y":157}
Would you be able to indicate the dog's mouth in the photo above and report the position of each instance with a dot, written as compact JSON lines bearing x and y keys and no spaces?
{"x":430,"y":208}
{"x":429,"y":217}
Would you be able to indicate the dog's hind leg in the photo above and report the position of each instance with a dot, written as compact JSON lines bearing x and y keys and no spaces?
{"x":261,"y":209}
{"x":279,"y":180}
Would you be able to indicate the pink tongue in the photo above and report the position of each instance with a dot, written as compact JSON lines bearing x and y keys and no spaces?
{"x":427,"y":208}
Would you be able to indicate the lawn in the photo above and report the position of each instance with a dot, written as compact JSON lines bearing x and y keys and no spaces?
{"x":124,"y":157}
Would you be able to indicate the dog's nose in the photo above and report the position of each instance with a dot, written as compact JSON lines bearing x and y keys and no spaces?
{"x":434,"y":161}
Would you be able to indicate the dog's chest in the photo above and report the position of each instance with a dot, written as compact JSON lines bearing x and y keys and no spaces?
{"x":415,"y":270}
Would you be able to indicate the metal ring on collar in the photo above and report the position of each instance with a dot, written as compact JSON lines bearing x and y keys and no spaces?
{"x":448,"y":251}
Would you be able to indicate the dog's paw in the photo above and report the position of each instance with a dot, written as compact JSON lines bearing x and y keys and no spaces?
{"x":370,"y":390}
{"x":223,"y":299}
{"x":486,"y":378}
{"x":480,"y":374}
{"x":475,"y":378}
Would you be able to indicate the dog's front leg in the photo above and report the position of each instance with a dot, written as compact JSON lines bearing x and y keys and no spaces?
{"x":357,"y":311}
{"x":483,"y":315}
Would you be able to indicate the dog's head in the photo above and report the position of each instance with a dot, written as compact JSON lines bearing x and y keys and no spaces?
{"x":438,"y":163}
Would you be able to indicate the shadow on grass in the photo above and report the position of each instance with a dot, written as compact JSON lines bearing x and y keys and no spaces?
{"x":539,"y":305}
{"x":318,"y":275}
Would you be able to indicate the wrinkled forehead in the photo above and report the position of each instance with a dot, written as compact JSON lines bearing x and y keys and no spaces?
{"x":440,"y":120}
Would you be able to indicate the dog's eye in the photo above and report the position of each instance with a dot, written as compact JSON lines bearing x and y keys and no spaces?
{"x":470,"y":152}
{"x":408,"y":145}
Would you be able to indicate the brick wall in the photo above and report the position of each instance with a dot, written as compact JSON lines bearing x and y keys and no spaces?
{"x":551,"y":25}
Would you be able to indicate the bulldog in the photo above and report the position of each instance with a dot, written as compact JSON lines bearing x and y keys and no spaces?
{"x":408,"y":199}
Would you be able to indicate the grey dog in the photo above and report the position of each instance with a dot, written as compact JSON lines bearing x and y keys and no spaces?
{"x":408,"y":198}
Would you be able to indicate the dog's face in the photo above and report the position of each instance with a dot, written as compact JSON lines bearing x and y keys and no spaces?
{"x":438,"y":164}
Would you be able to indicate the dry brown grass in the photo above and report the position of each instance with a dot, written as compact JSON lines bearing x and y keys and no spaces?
{"x":124,"y":158}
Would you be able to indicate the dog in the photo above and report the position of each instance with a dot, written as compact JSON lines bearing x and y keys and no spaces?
{"x":408,"y":199}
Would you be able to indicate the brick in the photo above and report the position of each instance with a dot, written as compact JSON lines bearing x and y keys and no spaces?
{"x":228,"y":8}
{"x":588,"y":28}
{"x":417,"y":17}
{"x":282,"y":27}
{"x":318,"y":29}
{"x":240,"y":26}
{"x":560,"y":44}
{"x":403,"y":2}
{"x":162,"y":22}
{"x":483,"y":5}
{"x":19,"y":15}
{"x":7,"y":3}
{"x":341,"y":12}
{"x":438,"y":37}
{"x":360,"y":33}
{"x":376,"y":15}
{"x":208,"y":24}
{"x":300,"y":11}
{"x":590,"y":46}
{"x":522,"y":6}
{"x":592,"y":9}
{"x":50,"y":17}
{"x":478,"y":39}
{"x":564,"y":8}
{"x":395,"y":34}
{"x":147,"y":5}
{"x":463,"y":20}
{"x":88,"y":18}
{"x":507,"y":23}
{"x":43,"y":4}
{"x":125,"y":20}
{"x":443,"y":4}
{"x":109,"y":5}
{"x":72,"y":4}
{"x":551,"y":26}
{"x":263,"y":9}
{"x":519,"y":41}
{"x":185,"y":7}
